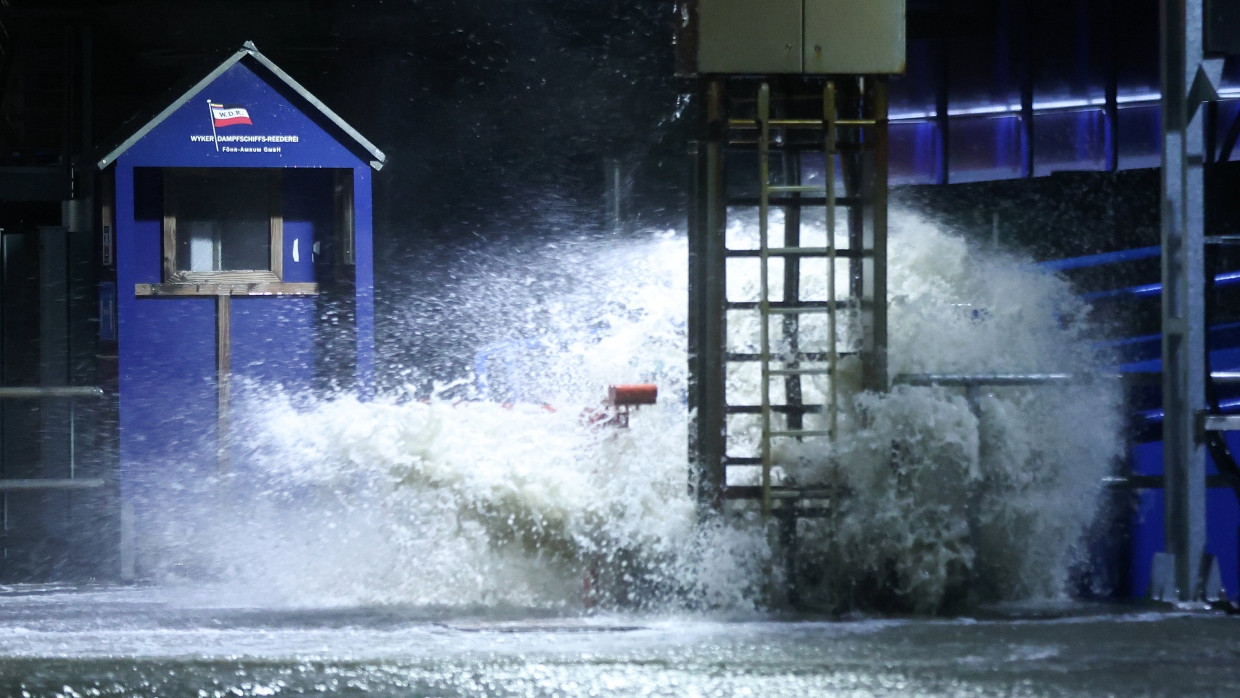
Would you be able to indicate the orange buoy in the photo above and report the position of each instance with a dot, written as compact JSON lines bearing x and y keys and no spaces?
{"x":632,"y":394}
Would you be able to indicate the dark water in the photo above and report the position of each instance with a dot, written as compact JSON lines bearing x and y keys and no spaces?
{"x":144,"y":642}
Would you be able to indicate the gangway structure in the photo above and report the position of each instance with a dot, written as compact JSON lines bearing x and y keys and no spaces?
{"x":812,"y":151}
{"x":793,"y":141}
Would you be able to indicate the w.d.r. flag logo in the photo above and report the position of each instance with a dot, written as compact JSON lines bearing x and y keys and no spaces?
{"x":229,"y":115}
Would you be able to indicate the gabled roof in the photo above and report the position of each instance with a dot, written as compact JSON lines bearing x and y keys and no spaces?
{"x":247,"y":49}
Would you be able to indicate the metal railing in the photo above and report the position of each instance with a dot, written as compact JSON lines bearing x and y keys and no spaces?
{"x":972,"y":382}
{"x":55,"y":391}
{"x":43,"y":484}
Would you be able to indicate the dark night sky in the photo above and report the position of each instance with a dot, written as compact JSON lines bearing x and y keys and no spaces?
{"x":484,"y":108}
{"x":496,"y":117}
{"x":507,"y":108}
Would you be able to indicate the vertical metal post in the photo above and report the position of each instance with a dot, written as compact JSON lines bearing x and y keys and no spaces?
{"x":791,"y":323}
{"x":876,"y":374}
{"x":788,"y":542}
{"x":833,"y":316}
{"x":1183,"y":298}
{"x":54,"y":440}
{"x":942,"y":117}
{"x":764,"y":289}
{"x":849,"y":106}
{"x":1027,"y":150}
{"x":1111,"y":108}
{"x":128,"y":548}
{"x":68,"y":97}
{"x":223,"y":355}
{"x":363,"y":284}
{"x":707,"y":342}
{"x":86,"y":107}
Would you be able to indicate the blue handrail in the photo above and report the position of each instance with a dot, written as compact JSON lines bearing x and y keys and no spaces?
{"x":1119,"y":257}
{"x":1096,"y":260}
{"x":1229,"y":278}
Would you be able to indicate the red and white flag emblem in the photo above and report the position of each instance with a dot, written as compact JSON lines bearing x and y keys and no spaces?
{"x":229,"y":115}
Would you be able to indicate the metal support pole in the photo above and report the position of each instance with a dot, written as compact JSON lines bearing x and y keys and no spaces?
{"x":830,"y":140}
{"x":764,"y":287}
{"x":55,"y":415}
{"x":1027,"y":149}
{"x":1183,"y":298}
{"x":1111,"y":109}
{"x":942,"y":119}
{"x":876,"y":293}
{"x":223,"y":355}
{"x":788,"y":542}
{"x":54,"y":391}
{"x":791,"y":323}
{"x":706,"y":308}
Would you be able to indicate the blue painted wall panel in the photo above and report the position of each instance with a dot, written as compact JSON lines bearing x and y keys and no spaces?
{"x":170,"y":376}
{"x":1222,"y":512}
{"x":273,"y":341}
{"x":143,"y":247}
{"x":1222,"y":517}
{"x":167,"y":353}
{"x":168,"y":345}
{"x":1222,"y":521}
{"x":1147,"y":539}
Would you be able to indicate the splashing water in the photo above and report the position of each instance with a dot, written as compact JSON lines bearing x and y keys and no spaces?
{"x":474,"y":504}
{"x":989,"y":502}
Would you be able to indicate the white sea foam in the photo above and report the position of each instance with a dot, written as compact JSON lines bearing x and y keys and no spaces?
{"x":474,"y":504}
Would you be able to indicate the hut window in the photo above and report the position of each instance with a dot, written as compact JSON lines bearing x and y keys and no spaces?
{"x":222,"y":225}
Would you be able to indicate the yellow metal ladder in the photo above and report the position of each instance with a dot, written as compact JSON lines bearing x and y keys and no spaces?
{"x":795,"y":362}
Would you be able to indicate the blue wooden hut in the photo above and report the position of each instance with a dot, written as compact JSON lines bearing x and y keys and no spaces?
{"x":238,"y":223}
